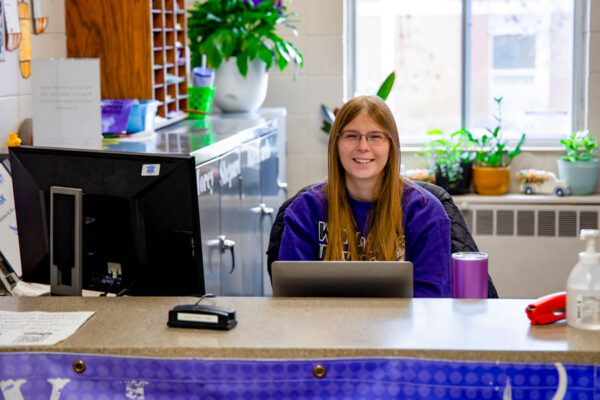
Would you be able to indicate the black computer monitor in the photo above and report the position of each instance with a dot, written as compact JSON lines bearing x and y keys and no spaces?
{"x":129,"y":220}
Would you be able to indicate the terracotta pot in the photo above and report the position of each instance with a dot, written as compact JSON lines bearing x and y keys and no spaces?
{"x":491,"y":181}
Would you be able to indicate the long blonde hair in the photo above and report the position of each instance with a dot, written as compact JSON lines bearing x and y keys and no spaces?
{"x":385,"y":238}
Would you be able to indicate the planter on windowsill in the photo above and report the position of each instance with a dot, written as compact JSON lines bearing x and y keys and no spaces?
{"x":459,"y":186}
{"x":581,"y":176}
{"x":491,"y":181}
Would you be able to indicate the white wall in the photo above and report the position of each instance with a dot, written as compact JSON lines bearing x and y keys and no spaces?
{"x":321,"y":81}
{"x":15,"y":91}
{"x":320,"y":41}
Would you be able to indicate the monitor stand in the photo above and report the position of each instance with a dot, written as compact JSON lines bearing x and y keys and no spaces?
{"x":66,"y":244}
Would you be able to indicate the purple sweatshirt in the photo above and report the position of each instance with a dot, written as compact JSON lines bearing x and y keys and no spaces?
{"x":426,"y":234}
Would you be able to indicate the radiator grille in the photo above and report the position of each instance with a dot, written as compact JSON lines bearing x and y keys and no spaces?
{"x":525,"y":223}
{"x":505,"y":222}
{"x":485,"y":222}
{"x":567,"y":223}
{"x":546,"y":223}
{"x":588,"y":220}
{"x":522,"y":222}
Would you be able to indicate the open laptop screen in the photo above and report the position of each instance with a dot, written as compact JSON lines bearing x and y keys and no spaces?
{"x":342,"y":279}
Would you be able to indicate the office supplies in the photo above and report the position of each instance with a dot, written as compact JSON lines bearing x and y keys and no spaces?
{"x":343,"y":278}
{"x":202,"y":316}
{"x":547,"y":309}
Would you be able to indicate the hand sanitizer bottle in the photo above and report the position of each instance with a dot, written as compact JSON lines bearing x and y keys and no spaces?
{"x":583,"y":286}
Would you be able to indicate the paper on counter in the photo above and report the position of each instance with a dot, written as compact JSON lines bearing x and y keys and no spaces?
{"x":39,"y":328}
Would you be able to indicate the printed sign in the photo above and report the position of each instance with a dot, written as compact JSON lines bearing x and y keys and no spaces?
{"x":2,"y":40}
{"x":9,"y":237}
{"x":66,"y":103}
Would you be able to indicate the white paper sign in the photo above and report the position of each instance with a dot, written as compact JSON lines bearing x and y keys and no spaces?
{"x":66,"y":103}
{"x":9,"y":239}
{"x":39,"y":328}
{"x":11,"y":16}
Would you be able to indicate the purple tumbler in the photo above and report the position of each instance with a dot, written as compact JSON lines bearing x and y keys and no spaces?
{"x":469,"y":275}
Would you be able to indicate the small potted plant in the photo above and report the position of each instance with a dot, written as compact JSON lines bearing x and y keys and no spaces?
{"x":451,"y":158}
{"x":579,"y":167}
{"x":240,"y":42}
{"x":491,"y":169}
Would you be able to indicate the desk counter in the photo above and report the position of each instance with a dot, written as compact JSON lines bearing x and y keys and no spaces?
{"x":486,"y":330}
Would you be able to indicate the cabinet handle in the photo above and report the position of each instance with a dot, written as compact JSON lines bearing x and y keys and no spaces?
{"x":228,"y":244}
{"x":282,"y":185}
{"x":223,"y":244}
{"x":263,"y":210}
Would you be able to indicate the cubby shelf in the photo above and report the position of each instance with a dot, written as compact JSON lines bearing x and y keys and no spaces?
{"x":132,"y":65}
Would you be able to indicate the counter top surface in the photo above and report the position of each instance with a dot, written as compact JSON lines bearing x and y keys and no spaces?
{"x":495,"y":329}
{"x":205,"y":138}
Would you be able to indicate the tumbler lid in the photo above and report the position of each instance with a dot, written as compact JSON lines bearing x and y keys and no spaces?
{"x":470,"y":255}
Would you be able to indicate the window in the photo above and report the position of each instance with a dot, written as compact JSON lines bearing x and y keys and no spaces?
{"x":453,"y":57}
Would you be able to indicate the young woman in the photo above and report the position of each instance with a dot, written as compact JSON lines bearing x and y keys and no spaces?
{"x":366,"y":210}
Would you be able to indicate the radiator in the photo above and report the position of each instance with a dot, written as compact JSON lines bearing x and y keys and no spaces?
{"x":532,"y":241}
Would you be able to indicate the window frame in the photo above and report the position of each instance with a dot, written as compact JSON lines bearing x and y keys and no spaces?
{"x":580,"y":66}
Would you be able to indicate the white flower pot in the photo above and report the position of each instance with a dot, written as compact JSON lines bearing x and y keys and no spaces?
{"x":235,"y":93}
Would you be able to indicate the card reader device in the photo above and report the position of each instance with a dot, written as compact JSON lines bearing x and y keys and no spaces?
{"x":203,"y":316}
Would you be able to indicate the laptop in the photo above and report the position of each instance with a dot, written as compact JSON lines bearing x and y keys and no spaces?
{"x":342,"y":279}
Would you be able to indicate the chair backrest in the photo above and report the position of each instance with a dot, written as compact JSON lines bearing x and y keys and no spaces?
{"x":461,"y":239}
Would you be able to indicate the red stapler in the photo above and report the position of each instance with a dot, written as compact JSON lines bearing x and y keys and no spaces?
{"x":547,"y":309}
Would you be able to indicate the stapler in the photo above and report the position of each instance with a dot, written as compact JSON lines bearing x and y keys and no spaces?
{"x":547,"y":309}
{"x":202,"y":316}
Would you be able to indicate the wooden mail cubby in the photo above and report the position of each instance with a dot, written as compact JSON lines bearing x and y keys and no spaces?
{"x":140,"y":44}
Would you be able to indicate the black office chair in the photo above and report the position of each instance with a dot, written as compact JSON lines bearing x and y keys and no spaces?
{"x":459,"y":233}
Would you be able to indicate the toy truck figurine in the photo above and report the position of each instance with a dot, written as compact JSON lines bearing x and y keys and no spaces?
{"x":535,"y":181}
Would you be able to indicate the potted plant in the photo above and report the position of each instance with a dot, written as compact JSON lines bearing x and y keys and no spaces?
{"x":240,"y":42}
{"x":491,"y":171}
{"x":383,"y":92}
{"x":579,"y":167}
{"x":451,"y":158}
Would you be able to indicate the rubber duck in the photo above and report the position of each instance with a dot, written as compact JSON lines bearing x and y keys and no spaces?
{"x":13,"y":140}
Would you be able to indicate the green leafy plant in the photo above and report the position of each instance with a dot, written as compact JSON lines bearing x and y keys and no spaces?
{"x":492,"y":149}
{"x":222,"y":29}
{"x":580,"y":146}
{"x":383,"y":92}
{"x":447,"y":154}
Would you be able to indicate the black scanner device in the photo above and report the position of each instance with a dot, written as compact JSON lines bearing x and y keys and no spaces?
{"x":202,"y":316}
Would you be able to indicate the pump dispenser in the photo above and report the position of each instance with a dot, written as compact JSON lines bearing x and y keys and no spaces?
{"x":583,"y":286}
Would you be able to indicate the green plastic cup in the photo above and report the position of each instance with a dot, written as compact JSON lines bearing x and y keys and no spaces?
{"x":200,"y":100}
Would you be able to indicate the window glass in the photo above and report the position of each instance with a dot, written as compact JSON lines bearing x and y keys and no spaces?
{"x":522,"y":51}
{"x":420,"y":40}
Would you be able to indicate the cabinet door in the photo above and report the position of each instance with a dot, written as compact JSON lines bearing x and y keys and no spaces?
{"x":250,"y":220}
{"x":270,"y":196}
{"x":230,"y":235}
{"x":207,"y":176}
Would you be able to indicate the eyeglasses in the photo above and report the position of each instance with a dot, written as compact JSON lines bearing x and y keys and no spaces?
{"x":373,"y":138}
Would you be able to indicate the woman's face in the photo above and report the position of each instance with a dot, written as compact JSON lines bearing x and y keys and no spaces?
{"x":363,"y":157}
